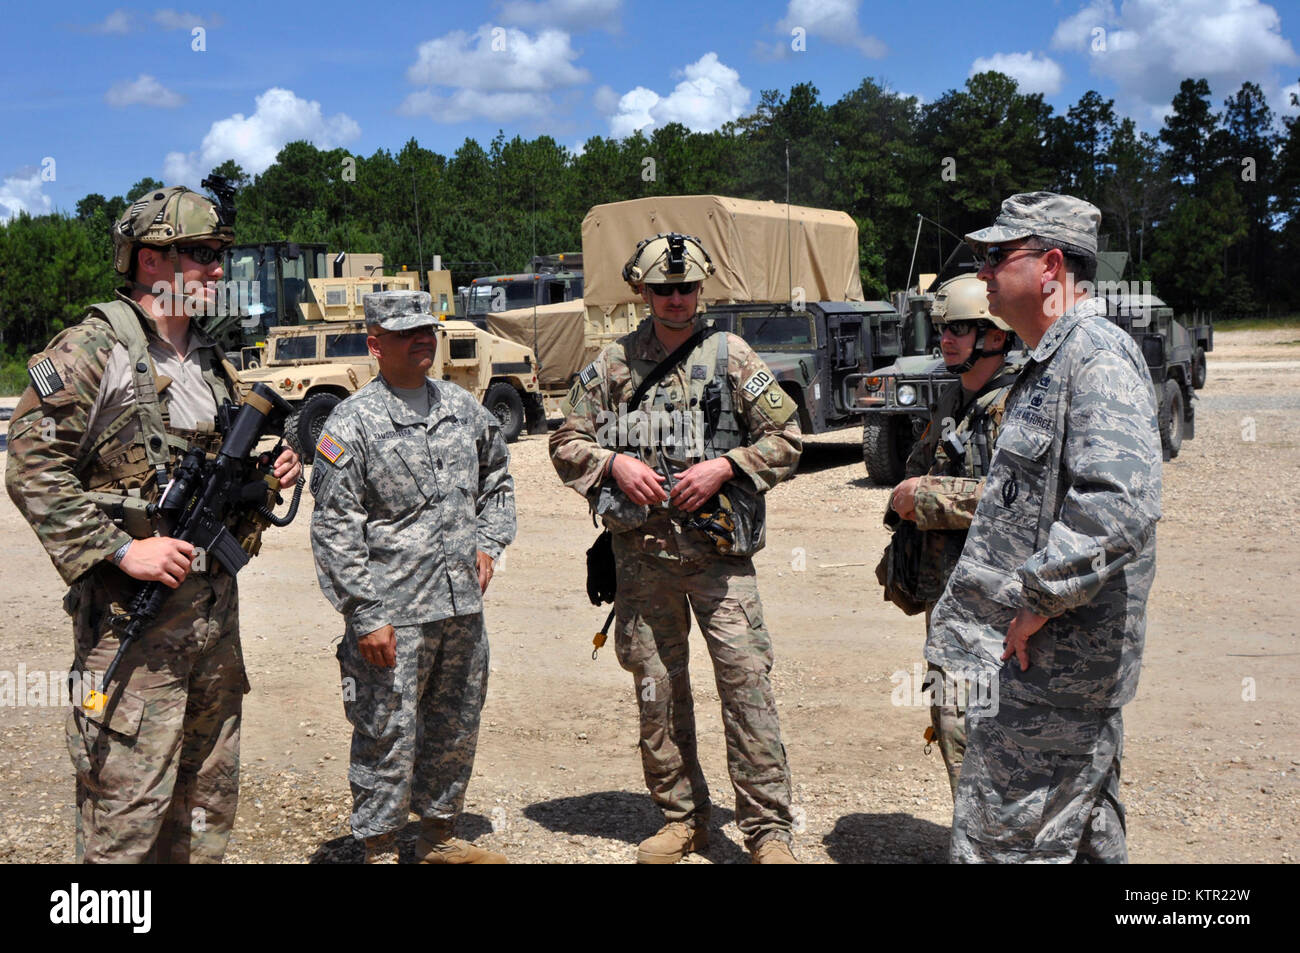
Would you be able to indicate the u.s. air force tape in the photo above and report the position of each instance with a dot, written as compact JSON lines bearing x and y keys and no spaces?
{"x":45,"y":378}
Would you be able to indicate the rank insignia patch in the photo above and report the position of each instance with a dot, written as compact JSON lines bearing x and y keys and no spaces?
{"x":45,"y":378}
{"x":328,"y":449}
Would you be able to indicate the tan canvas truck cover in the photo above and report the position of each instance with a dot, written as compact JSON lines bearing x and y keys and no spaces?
{"x":748,"y":241}
{"x":561,"y":343}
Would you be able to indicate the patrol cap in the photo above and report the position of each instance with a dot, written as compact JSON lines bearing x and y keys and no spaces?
{"x":1058,"y":218}
{"x":398,"y":310}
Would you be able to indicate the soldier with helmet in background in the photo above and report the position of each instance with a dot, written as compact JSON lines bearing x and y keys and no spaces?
{"x":945,"y":473}
{"x":683,"y":499}
{"x":114,"y":402}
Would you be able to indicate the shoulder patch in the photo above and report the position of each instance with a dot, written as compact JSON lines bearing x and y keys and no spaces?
{"x":589,"y":375}
{"x":329,"y":448}
{"x":45,"y":378}
{"x":759,"y":382}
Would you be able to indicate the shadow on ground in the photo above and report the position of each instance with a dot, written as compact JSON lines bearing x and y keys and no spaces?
{"x":886,"y":839}
{"x":348,"y":850}
{"x":827,"y":456}
{"x":620,"y":815}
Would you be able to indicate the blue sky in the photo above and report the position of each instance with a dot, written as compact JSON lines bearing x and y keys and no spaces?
{"x":96,"y":96}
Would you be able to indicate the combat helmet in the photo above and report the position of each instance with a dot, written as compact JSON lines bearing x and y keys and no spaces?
{"x":964,"y":299}
{"x":668,"y":257}
{"x":165,"y":218}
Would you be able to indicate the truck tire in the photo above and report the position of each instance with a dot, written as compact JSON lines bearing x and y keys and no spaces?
{"x":886,"y":441}
{"x":503,"y":402}
{"x":1198,"y":368}
{"x":1171,"y":420}
{"x":303,"y":428}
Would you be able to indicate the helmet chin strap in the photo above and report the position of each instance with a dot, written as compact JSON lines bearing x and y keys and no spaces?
{"x":976,"y":352}
{"x":675,"y":325}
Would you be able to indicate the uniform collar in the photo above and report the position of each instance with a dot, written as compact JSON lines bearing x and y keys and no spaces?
{"x":1063,"y":325}
{"x":646,"y":345}
{"x":198,"y":338}
{"x":398,"y":409}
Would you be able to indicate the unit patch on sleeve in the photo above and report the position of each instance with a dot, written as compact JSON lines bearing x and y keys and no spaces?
{"x":45,"y":378}
{"x":758,"y":383}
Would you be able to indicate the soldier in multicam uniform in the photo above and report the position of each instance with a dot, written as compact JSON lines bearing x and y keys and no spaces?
{"x":945,"y":472}
{"x":1060,"y":555}
{"x":114,"y":402}
{"x":414,"y":503}
{"x":686,"y":514}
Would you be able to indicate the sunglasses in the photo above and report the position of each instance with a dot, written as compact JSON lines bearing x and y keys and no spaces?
{"x":995,"y":255}
{"x":960,"y":328}
{"x":201,"y":254}
{"x":665,"y":290}
{"x":407,"y":333}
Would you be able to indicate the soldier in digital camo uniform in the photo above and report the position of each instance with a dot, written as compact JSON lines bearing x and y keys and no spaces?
{"x":1054,"y":577}
{"x":684,"y":502}
{"x":114,"y":402}
{"x":414,"y":503}
{"x":945,"y":473}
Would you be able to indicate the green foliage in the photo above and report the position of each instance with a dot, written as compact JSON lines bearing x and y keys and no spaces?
{"x":1206,"y":235}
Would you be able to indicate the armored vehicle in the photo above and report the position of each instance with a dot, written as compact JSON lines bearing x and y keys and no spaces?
{"x":314,"y":366}
{"x":814,"y":350}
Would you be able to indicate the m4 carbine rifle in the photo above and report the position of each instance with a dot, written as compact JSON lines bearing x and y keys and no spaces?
{"x":205,"y":495}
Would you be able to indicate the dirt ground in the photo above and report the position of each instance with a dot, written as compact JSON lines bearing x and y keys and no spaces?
{"x":1212,"y":740}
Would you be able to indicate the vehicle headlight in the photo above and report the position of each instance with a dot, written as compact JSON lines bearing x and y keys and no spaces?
{"x":907,"y":395}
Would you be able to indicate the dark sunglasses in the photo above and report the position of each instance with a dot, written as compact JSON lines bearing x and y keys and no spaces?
{"x":960,"y":328}
{"x":665,"y":290}
{"x":201,"y":254}
{"x":995,"y":255}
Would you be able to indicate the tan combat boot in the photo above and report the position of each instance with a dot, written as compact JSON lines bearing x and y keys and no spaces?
{"x":674,"y":841}
{"x":435,"y":845}
{"x":382,"y":849}
{"x":773,"y":851}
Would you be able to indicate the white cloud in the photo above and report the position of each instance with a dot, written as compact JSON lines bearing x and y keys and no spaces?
{"x":1032,"y":74}
{"x":144,"y":90}
{"x":835,"y":21}
{"x":498,"y":58}
{"x":1149,"y":47}
{"x":171,"y":20}
{"x":21,"y":192}
{"x":709,"y":95}
{"x":117,"y":22}
{"x":495,"y":73}
{"x":576,"y":15}
{"x":254,"y":141}
{"x":1284,"y":105}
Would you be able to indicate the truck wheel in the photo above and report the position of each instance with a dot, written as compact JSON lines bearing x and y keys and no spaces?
{"x":1198,"y":368}
{"x":886,"y":442}
{"x":303,"y":429}
{"x":503,"y":402}
{"x":1171,"y":420}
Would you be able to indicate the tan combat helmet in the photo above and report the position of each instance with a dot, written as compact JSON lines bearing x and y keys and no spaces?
{"x":668,"y":257}
{"x":165,"y":218}
{"x":964,"y":299}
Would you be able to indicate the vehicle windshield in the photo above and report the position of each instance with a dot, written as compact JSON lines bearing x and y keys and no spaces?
{"x":503,"y":296}
{"x":777,"y":330}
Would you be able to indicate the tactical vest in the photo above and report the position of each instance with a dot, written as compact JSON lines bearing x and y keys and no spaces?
{"x":137,"y":466}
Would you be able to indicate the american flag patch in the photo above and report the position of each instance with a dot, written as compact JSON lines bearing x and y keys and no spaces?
{"x":328,"y":449}
{"x":589,"y":375}
{"x":45,"y":378}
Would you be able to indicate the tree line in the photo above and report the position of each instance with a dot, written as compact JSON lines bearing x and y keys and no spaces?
{"x":1206,"y":208}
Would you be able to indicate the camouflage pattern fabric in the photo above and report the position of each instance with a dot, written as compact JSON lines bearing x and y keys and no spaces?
{"x":1061,"y":218}
{"x":403,"y":504}
{"x":1065,"y":527}
{"x":158,"y":782}
{"x":767,"y":413}
{"x":398,"y":310}
{"x":663,"y":569}
{"x":1041,"y":784}
{"x":652,"y":621}
{"x":414,"y":726}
